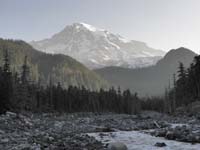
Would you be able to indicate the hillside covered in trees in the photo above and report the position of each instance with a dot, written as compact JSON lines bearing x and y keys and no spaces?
{"x":186,"y":86}
{"x":45,"y":67}
{"x":149,"y":81}
{"x":35,"y":81}
{"x":19,"y":92}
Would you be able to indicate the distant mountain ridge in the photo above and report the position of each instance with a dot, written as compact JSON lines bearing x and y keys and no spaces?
{"x":97,"y":48}
{"x":58,"y":68}
{"x":152,"y":80}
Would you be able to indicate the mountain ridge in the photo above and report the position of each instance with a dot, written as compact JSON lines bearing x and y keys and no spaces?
{"x":46,"y":67}
{"x":149,"y":81}
{"x":97,"y":48}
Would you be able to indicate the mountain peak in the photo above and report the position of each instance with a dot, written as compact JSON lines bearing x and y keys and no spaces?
{"x":180,"y":50}
{"x":181,"y":54}
{"x":86,"y":26}
{"x":97,"y":48}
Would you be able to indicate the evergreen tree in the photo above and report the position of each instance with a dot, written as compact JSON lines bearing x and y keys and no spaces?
{"x":174,"y":93}
{"x":181,"y":85}
{"x":5,"y":84}
{"x":24,"y":88}
{"x":25,"y":77}
{"x":6,"y":67}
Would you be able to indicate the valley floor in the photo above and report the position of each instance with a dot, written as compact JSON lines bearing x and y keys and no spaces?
{"x":91,"y":131}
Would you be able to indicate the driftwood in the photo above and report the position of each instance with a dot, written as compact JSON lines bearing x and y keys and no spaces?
{"x":157,"y":125}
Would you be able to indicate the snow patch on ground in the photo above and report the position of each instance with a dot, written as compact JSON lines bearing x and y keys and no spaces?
{"x":89,"y":27}
{"x":136,"y":140}
{"x":122,"y":39}
{"x":146,"y":53}
{"x":94,"y":61}
{"x":113,"y":44}
{"x":106,"y":57}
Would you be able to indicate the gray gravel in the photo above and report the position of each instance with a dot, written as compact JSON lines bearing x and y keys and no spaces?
{"x":28,"y":131}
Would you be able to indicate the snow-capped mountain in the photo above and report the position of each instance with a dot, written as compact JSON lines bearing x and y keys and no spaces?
{"x":97,"y":48}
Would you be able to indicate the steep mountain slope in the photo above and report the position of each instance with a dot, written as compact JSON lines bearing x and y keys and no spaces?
{"x":97,"y":48}
{"x":152,"y":80}
{"x":60,"y":68}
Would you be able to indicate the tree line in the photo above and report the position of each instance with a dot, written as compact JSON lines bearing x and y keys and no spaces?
{"x":18,"y":92}
{"x":186,"y":86}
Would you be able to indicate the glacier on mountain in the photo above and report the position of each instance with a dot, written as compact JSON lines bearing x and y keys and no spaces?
{"x":97,"y":48}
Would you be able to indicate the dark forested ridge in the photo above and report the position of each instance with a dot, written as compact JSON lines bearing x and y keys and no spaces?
{"x":186,"y":86}
{"x":22,"y":87}
{"x":59,"y":68}
{"x":150,"y":81}
{"x":20,"y":92}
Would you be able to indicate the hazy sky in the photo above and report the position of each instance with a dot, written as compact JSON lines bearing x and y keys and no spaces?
{"x":163,"y":24}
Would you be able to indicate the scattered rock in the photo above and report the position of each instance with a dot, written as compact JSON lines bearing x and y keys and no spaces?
{"x":160,"y":144}
{"x":104,"y":129}
{"x":181,"y":133}
{"x":2,"y":132}
{"x":6,"y":140}
{"x":11,"y":114}
{"x":52,"y":131}
{"x":117,"y":146}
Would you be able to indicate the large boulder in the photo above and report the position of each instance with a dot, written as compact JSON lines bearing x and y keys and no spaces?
{"x":158,"y":144}
{"x":117,"y":146}
{"x":170,"y":135}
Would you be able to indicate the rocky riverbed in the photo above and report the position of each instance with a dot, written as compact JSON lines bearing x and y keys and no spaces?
{"x":28,"y":131}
